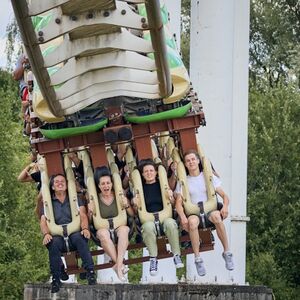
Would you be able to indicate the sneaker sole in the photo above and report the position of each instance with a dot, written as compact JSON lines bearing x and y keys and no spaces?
{"x":179,"y":266}
{"x":64,"y":278}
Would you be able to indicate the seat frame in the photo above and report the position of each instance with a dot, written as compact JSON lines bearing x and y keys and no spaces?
{"x":206,"y":244}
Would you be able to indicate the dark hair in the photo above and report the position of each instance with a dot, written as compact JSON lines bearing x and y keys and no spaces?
{"x":51,"y":182}
{"x":101,"y":172}
{"x":192,"y":151}
{"x":146,"y":162}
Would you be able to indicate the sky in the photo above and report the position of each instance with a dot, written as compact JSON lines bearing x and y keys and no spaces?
{"x":6,"y":15}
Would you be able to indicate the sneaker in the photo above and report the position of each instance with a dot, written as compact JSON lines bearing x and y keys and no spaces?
{"x":153,"y":266}
{"x":177,"y":261}
{"x":91,"y":277}
{"x":200,"y":266}
{"x":63,"y":274}
{"x":82,"y":276}
{"x":228,"y":260}
{"x":55,"y":285}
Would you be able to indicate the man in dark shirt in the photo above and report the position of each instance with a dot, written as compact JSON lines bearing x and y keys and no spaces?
{"x":154,"y":203}
{"x":77,"y":241}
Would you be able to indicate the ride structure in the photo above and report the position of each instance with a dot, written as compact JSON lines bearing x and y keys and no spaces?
{"x":108,"y":73}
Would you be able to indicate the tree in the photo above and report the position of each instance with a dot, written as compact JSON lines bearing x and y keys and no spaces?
{"x":274,"y":189}
{"x":13,"y":43}
{"x":274,"y":42}
{"x":22,"y":257}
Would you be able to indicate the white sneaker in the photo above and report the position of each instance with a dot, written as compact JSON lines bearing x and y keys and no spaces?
{"x":228,"y":260}
{"x":153,"y":266}
{"x":200,"y":266}
{"x":177,"y":261}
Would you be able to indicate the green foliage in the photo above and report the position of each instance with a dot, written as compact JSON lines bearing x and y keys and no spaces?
{"x":22,"y":257}
{"x":13,"y":43}
{"x":135,"y":271}
{"x":274,"y":42}
{"x":264,"y":270}
{"x":273,"y":177}
{"x":274,"y":189}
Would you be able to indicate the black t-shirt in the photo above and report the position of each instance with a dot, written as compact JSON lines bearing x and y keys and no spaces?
{"x":152,"y":195}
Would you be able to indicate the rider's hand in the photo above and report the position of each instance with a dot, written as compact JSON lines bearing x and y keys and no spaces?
{"x":47,"y":239}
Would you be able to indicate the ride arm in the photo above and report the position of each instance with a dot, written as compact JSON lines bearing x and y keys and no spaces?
{"x":47,"y":237}
{"x":180,"y":210}
{"x":19,"y":70}
{"x":128,"y":207}
{"x":136,"y":200}
{"x":224,"y":210}
{"x":84,"y":222}
{"x":169,"y":195}
{"x":172,"y":180}
{"x":24,"y":175}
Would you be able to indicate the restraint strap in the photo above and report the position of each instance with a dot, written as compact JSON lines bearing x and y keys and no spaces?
{"x":66,"y":236}
{"x":156,"y":223}
{"x":111,"y":230}
{"x":202,"y":213}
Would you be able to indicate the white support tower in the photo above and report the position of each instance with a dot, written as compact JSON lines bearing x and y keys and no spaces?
{"x":219,"y":73}
{"x":174,"y":9}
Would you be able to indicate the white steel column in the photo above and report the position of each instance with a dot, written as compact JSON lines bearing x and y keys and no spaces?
{"x":174,"y":9}
{"x":219,"y":73}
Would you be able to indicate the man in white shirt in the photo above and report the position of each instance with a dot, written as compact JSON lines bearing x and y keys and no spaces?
{"x":197,"y":190}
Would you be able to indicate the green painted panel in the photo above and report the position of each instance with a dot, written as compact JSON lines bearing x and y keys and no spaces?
{"x":165,"y":115}
{"x":66,"y":132}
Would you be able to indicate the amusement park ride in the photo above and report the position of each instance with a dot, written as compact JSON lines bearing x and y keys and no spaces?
{"x":108,"y":73}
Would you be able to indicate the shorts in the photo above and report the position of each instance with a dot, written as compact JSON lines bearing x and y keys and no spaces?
{"x":209,"y":224}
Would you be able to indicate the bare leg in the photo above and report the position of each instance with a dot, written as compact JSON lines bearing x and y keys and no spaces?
{"x":122,"y":233}
{"x":215,"y":217}
{"x":107,"y":244}
{"x":194,"y":233}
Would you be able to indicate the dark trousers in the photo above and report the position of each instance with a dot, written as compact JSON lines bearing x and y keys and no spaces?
{"x":76,"y":242}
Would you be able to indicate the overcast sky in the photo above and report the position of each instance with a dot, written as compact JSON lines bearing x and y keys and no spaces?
{"x":6,"y":14}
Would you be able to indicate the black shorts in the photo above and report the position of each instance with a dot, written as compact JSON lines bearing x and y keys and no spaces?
{"x":209,"y":224}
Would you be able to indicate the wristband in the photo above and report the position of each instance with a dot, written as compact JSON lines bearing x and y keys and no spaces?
{"x":85,"y":229}
{"x":45,"y":234}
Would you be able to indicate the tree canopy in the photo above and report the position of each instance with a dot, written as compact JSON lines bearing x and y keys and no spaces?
{"x":21,"y":252}
{"x":273,"y":165}
{"x":274,"y":42}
